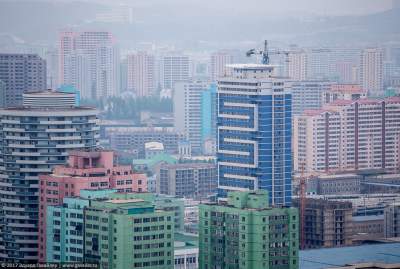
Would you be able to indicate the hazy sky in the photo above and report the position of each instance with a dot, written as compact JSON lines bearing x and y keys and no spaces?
{"x":321,"y":7}
{"x":292,"y":7}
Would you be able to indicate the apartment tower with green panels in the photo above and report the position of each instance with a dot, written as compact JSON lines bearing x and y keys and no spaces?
{"x":246,"y":233}
{"x":128,"y":233}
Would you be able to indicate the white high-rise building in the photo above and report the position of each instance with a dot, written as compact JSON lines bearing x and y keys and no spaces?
{"x":297,"y":65}
{"x":187,"y":111}
{"x":219,"y":61}
{"x":308,"y":94}
{"x":78,"y":73}
{"x":52,"y":65}
{"x":348,"y":135}
{"x":371,"y":71}
{"x":173,"y":68}
{"x":107,"y":71}
{"x":98,"y":50}
{"x":318,"y":63}
{"x":141,"y":74}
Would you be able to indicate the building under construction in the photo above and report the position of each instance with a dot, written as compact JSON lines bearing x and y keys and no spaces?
{"x":326,"y":223}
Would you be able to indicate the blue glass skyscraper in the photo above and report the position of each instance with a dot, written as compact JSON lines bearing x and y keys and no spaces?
{"x":254,"y":132}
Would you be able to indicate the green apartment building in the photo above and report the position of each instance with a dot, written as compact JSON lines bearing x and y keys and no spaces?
{"x":65,"y":226}
{"x":122,"y":233}
{"x":161,"y":202}
{"x":246,"y":233}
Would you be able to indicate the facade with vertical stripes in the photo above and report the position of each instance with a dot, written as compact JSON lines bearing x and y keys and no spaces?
{"x":348,"y":135}
{"x":254,"y":132}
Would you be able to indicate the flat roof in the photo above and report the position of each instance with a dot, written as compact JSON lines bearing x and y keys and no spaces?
{"x":368,"y":218}
{"x":251,"y":66}
{"x":338,"y":257}
{"x":124,"y":201}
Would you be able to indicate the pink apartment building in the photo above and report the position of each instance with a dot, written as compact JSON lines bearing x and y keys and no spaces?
{"x":84,"y":170}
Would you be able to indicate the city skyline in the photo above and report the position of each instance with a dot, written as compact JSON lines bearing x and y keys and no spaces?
{"x":196,"y":134}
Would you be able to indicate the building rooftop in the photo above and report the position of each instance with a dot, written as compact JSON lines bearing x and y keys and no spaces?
{"x":251,"y":66}
{"x":154,"y":146}
{"x":347,"y":88}
{"x":371,"y":265}
{"x":186,"y":241}
{"x":188,"y":165}
{"x":162,"y":157}
{"x":49,"y":92}
{"x":137,"y":129}
{"x":338,"y":257}
{"x":124,"y":201}
{"x":368,"y":218}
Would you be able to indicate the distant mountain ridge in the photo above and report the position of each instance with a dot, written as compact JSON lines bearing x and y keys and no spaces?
{"x":41,"y":21}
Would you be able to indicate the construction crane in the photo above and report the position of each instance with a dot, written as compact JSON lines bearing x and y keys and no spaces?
{"x":302,"y":205}
{"x":265,"y":53}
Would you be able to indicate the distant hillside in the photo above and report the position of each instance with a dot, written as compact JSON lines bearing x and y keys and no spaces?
{"x":41,"y":20}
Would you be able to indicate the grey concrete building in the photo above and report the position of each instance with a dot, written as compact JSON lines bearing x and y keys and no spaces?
{"x":308,"y":94}
{"x":392,"y":220}
{"x":195,"y":180}
{"x":135,"y":138}
{"x":20,"y":73}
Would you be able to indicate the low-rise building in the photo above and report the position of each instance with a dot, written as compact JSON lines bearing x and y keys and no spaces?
{"x":326,"y":223}
{"x":367,"y":228}
{"x":334,"y":184}
{"x":190,"y":180}
{"x":134,"y":138}
{"x":392,"y":220}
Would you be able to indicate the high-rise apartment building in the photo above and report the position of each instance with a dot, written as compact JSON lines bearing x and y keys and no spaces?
{"x":20,"y":73}
{"x":345,"y":64}
{"x":209,"y":120}
{"x":318,"y":64}
{"x":84,"y":170}
{"x":219,"y":61}
{"x":52,"y":65}
{"x":125,"y":233}
{"x":348,"y":135}
{"x":173,"y":68}
{"x":65,"y":224}
{"x":141,"y":74}
{"x":343,"y":92}
{"x":77,"y":73}
{"x":297,"y":65}
{"x":371,"y":71}
{"x":89,"y":61}
{"x":254,"y":132}
{"x":107,"y":71}
{"x":190,"y":180}
{"x":308,"y":94}
{"x":247,"y":233}
{"x":34,"y":140}
{"x":187,"y":111}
